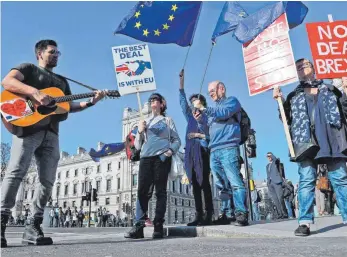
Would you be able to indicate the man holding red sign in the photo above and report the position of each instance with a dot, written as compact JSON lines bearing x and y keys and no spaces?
{"x":319,"y":135}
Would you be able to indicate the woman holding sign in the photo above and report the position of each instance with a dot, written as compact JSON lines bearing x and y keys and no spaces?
{"x":157,"y":147}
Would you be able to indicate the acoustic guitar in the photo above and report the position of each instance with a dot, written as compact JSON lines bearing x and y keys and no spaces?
{"x":21,"y":111}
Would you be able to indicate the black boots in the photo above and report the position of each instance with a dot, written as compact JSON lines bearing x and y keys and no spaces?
{"x":33,"y":233}
{"x":207,"y":220}
{"x":197,"y":222}
{"x":158,"y":231}
{"x":241,"y":219}
{"x":4,"y":220}
{"x":136,"y":231}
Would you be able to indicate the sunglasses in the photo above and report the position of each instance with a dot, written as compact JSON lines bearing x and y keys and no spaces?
{"x":55,"y":52}
{"x":154,"y":99}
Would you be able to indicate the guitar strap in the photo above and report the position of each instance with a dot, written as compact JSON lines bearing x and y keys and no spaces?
{"x":79,"y":83}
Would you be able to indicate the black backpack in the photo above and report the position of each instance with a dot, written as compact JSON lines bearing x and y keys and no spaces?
{"x":245,"y":126}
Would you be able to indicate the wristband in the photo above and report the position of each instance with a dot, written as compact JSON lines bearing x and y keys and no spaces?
{"x":89,"y":104}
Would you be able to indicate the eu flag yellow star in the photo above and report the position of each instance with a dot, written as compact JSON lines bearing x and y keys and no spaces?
{"x":171,"y":17}
{"x":138,"y":25}
{"x":174,"y":7}
{"x":137,"y":14}
{"x":145,"y":32}
{"x":157,"y":32}
{"x":165,"y":26}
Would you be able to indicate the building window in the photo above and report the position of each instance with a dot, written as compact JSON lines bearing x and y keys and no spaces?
{"x":66,"y":190}
{"x":187,"y":189}
{"x":107,"y":201}
{"x":176,"y":215}
{"x":67,"y":174}
{"x":58,"y":190}
{"x":118,"y":183}
{"x":108,"y":185}
{"x":134,"y":198}
{"x":26,"y":195}
{"x":181,"y":188}
{"x":82,"y":191}
{"x":75,"y":189}
{"x":89,"y":170}
{"x":173,"y":186}
{"x":175,"y":201}
{"x":34,"y":179}
{"x":182,"y":202}
{"x":183,"y":217}
{"x":76,"y":172}
{"x":119,"y":165}
{"x":189,"y":203}
{"x":117,"y":199}
{"x":134,"y":180}
{"x":32,"y":194}
{"x":109,"y":167}
{"x":98,"y":185}
{"x":87,"y":203}
{"x":98,"y":169}
{"x":58,"y":175}
{"x":73,"y":203}
{"x":64,"y":205}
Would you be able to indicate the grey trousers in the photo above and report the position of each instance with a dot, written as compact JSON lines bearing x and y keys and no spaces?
{"x":276,"y":193}
{"x":44,"y":145}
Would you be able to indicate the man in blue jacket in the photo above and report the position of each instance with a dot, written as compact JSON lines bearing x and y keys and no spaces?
{"x":225,"y":137}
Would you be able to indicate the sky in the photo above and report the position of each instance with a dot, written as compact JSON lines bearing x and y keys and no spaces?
{"x":84,"y":32}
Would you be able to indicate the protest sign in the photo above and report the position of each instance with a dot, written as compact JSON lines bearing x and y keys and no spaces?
{"x":133,"y":68}
{"x":269,"y":59}
{"x":328,"y":42}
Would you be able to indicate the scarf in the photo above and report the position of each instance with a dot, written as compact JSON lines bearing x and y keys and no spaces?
{"x":301,"y":124}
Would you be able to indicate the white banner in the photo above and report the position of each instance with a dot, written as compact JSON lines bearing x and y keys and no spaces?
{"x":133,"y":68}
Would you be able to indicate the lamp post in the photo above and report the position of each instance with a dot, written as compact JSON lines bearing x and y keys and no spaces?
{"x":58,"y":185}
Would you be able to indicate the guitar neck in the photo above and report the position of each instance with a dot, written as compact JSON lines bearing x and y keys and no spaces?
{"x":69,"y":98}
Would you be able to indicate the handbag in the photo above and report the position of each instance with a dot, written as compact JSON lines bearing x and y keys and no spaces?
{"x":177,"y":165}
{"x":323,"y":184}
{"x":307,"y":150}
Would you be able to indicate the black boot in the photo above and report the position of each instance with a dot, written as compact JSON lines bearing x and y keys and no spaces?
{"x":158,"y":230}
{"x":241,"y":219}
{"x":4,"y":220}
{"x":33,"y":233}
{"x":136,"y":231}
{"x":198,"y":221}
{"x":207,"y":220}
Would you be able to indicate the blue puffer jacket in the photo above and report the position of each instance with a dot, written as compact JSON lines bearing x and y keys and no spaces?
{"x":224,"y":129}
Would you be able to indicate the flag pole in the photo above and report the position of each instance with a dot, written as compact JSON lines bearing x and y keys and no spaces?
{"x":208,"y":61}
{"x":185,"y":60}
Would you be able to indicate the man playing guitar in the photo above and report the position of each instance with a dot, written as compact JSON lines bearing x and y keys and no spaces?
{"x":40,"y":139}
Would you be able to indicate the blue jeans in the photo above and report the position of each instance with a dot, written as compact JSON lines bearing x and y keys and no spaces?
{"x":225,"y":163}
{"x":255,"y":208}
{"x":289,"y":208}
{"x":337,"y":176}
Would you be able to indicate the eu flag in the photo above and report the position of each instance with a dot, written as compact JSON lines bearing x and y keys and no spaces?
{"x":162,"y":22}
{"x":254,"y":24}
{"x":232,"y":13}
{"x":107,"y":149}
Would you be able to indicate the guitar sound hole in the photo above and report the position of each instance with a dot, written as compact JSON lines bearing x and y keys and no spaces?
{"x":45,"y":110}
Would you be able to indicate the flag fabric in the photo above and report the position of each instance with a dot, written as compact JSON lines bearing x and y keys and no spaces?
{"x":251,"y":26}
{"x":232,"y":13}
{"x":107,"y":149}
{"x":162,"y":22}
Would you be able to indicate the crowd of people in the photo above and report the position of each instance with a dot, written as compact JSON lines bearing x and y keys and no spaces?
{"x":316,"y":114}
